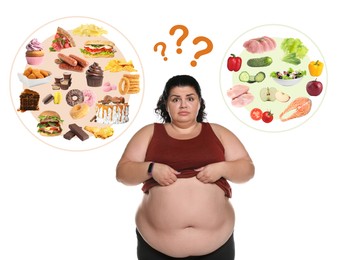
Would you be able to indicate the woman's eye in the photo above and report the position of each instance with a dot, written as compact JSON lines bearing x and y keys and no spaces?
{"x":191,"y":99}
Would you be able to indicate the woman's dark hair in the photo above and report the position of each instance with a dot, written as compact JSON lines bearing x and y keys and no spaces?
{"x":179,"y":81}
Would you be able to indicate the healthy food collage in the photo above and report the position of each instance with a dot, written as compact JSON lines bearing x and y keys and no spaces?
{"x":81,"y":82}
{"x":273,"y":78}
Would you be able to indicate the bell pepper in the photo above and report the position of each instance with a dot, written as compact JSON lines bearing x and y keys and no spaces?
{"x":315,"y":68}
{"x":234,"y":63}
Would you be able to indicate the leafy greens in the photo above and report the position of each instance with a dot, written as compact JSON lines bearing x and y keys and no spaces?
{"x":294,"y":50}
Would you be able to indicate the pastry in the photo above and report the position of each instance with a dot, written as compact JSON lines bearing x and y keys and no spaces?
{"x":34,"y":52}
{"x":94,"y":75}
{"x":112,"y":110}
{"x":29,"y":100}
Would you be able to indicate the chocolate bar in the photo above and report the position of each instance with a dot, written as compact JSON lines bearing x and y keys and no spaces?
{"x":69,"y":135}
{"x":78,"y":131}
{"x":47,"y":99}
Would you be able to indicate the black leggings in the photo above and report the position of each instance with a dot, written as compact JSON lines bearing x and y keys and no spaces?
{"x":146,"y":252}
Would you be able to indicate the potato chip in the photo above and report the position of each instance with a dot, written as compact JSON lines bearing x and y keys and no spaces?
{"x":89,"y":30}
{"x":116,"y":65}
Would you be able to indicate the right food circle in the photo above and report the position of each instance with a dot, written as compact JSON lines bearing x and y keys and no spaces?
{"x":273,"y":78}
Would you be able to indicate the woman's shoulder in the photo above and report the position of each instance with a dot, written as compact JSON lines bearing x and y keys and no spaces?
{"x":216,"y":126}
{"x":143,"y":134}
{"x":220,"y":130}
{"x":149,"y":129}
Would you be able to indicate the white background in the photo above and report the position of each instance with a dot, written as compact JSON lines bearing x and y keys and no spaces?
{"x":57,"y":204}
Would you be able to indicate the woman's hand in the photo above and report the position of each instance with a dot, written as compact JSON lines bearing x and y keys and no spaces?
{"x":237,"y":171}
{"x":209,"y":173}
{"x":164,"y":174}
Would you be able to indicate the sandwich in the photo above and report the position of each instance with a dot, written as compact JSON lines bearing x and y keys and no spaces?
{"x":49,"y":123}
{"x":98,"y":49}
{"x":62,"y":40}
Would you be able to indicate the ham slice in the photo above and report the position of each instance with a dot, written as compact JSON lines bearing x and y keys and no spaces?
{"x":260,"y":45}
{"x":240,"y":95}
{"x":242,"y":100}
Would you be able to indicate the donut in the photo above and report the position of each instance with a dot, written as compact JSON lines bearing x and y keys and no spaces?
{"x":89,"y":97}
{"x":74,"y":97}
{"x":79,"y":111}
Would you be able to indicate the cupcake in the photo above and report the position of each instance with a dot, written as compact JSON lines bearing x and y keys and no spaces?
{"x":34,"y":54}
{"x":94,"y":75}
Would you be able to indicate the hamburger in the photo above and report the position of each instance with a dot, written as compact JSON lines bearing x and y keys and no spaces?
{"x":49,"y":123}
{"x":98,"y":49}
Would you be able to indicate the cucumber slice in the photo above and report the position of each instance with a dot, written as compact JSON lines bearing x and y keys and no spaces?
{"x":244,"y":76}
{"x":260,"y":76}
{"x":251,"y":79}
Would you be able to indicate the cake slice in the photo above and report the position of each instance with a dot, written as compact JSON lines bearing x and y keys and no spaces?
{"x":29,"y":100}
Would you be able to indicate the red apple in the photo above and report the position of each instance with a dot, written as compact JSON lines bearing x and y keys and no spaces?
{"x":314,"y":87}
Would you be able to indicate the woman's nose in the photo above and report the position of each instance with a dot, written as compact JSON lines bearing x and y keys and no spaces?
{"x":182,"y":103}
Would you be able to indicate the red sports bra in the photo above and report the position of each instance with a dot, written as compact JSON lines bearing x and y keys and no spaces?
{"x":186,"y":155}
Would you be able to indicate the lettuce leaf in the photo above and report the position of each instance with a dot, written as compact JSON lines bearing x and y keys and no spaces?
{"x":294,"y":46}
{"x":291,"y":58}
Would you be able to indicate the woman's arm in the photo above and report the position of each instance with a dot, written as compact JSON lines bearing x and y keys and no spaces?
{"x":131,"y":168}
{"x":237,"y":167}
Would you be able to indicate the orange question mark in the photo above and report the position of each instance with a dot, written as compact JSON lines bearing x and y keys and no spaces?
{"x":182,"y":37}
{"x":162,"y":50}
{"x":205,"y":51}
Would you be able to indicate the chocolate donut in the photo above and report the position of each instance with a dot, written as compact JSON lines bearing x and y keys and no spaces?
{"x":74,"y":97}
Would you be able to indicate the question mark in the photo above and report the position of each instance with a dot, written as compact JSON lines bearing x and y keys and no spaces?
{"x":162,"y":50}
{"x":182,"y":37}
{"x":205,"y":51}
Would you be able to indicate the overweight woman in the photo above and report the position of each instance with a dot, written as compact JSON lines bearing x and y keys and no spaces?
{"x":185,"y":166}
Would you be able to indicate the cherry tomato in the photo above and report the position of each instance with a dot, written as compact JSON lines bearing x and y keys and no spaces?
{"x":256,"y":114}
{"x":267,"y":117}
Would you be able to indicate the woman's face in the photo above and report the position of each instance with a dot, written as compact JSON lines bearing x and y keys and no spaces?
{"x":183,"y":104}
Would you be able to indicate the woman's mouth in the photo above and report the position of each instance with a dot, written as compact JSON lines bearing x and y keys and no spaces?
{"x":183,"y":113}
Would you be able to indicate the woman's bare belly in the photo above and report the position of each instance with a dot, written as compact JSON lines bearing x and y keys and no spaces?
{"x":186,"y":218}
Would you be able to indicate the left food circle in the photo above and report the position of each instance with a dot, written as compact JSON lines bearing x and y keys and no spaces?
{"x":76,"y":83}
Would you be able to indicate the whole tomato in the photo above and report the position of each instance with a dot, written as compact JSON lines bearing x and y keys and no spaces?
{"x":234,"y":63}
{"x":267,"y":117}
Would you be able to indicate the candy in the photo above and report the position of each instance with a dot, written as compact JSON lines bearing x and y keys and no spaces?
{"x":47,"y":99}
{"x":79,"y":132}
